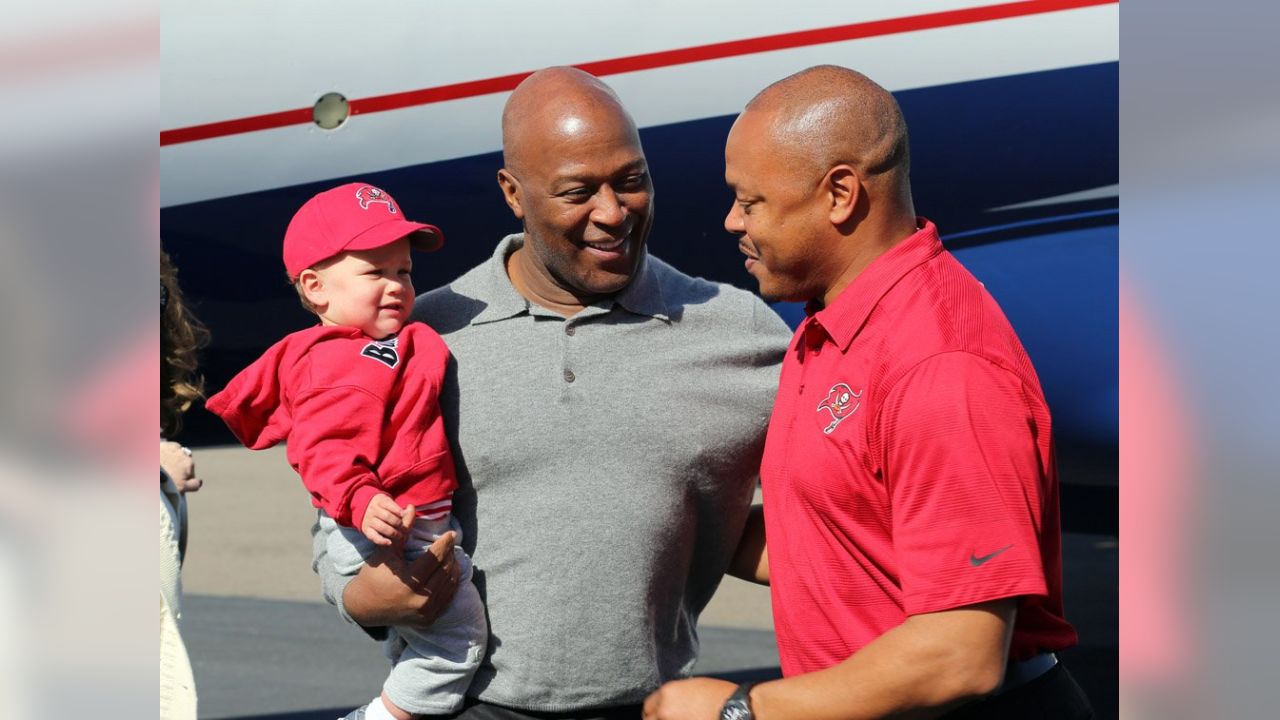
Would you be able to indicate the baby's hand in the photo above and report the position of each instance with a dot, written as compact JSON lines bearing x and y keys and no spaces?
{"x":382,"y":522}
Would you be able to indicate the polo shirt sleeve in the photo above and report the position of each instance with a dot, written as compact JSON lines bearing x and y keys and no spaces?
{"x":959,"y":452}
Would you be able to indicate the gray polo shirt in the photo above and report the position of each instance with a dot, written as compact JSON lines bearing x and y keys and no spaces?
{"x":605,"y":462}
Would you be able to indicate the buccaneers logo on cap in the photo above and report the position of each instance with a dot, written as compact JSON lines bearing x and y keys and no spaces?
{"x":841,"y":402}
{"x":368,"y":195}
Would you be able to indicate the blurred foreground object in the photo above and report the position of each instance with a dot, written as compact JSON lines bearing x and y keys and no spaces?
{"x":78,"y":196}
{"x":1157,"y":462}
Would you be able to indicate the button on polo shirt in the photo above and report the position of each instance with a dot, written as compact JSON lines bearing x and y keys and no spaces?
{"x":909,"y":465}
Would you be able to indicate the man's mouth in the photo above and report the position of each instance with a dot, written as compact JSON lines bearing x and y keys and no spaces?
{"x":609,"y":247}
{"x":753,"y":257}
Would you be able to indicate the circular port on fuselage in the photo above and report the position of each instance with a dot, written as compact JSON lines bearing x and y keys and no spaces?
{"x":331,"y":110}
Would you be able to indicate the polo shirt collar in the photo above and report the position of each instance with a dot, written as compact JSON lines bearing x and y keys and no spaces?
{"x":502,"y":300}
{"x":642,"y":296}
{"x":843,"y":318}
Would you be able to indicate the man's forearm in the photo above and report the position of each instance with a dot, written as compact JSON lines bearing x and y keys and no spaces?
{"x":921,"y":669}
{"x":334,"y":584}
{"x":392,"y":591}
{"x":363,"y":606}
{"x":751,"y":559}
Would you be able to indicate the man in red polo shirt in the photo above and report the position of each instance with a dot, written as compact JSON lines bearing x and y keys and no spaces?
{"x":910,"y":487}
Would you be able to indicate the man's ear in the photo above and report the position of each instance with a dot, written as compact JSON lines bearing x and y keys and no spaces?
{"x":844,"y":187}
{"x":511,"y":192}
{"x":313,"y":289}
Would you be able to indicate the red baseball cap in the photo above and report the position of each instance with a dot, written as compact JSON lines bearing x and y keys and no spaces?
{"x":355,"y":216}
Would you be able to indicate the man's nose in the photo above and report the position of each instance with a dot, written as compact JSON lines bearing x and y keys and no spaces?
{"x":608,"y":210}
{"x":733,"y":222}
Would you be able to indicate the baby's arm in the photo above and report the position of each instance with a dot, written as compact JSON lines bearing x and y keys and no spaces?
{"x":340,"y":413}
{"x":382,"y":523}
{"x":335,"y":439}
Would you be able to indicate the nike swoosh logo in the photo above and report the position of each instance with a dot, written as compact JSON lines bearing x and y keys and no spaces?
{"x":975,"y":561}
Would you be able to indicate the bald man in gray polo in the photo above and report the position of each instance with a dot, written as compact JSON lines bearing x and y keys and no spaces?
{"x":606,"y":462}
{"x":607,"y":415}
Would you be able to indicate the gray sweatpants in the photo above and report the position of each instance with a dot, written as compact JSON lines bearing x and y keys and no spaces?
{"x":431,"y":669}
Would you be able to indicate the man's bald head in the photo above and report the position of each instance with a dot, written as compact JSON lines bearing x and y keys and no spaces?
{"x":829,"y":115}
{"x":818,"y":166}
{"x":557,"y":102}
{"x":575,"y":175}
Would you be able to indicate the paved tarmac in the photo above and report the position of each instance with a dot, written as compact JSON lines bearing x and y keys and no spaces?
{"x":265,"y":646}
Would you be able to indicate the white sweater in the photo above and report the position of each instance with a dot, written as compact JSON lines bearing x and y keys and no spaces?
{"x":177,"y":687}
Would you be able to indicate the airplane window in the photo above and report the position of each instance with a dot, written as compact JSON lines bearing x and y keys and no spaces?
{"x":330,"y":111}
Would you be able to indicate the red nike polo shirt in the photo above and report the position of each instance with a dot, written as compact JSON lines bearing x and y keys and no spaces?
{"x":909,"y":465}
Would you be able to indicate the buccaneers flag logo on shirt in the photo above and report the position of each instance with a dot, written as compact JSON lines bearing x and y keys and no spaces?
{"x":841,"y":402}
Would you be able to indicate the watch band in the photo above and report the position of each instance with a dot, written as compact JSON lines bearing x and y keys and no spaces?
{"x":738,"y":706}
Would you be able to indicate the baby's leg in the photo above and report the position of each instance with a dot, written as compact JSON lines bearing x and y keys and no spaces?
{"x":348,"y":548}
{"x":433,"y":673}
{"x":392,"y":710}
{"x":379,"y":708}
{"x":433,"y":667}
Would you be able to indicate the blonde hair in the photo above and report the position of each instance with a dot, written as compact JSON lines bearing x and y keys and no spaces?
{"x":181,"y":335}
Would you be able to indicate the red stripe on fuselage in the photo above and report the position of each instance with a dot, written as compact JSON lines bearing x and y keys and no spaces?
{"x":647,"y":61}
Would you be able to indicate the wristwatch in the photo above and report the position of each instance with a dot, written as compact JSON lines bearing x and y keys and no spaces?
{"x":738,"y":706}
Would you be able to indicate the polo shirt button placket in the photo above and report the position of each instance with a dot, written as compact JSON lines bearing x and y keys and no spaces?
{"x":814,"y":337}
{"x":570,"y":330}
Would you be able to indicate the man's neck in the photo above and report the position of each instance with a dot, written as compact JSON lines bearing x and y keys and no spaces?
{"x":867,"y":244}
{"x":537,"y":286}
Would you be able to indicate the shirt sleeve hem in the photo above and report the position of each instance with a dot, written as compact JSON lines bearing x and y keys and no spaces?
{"x":938,"y":602}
